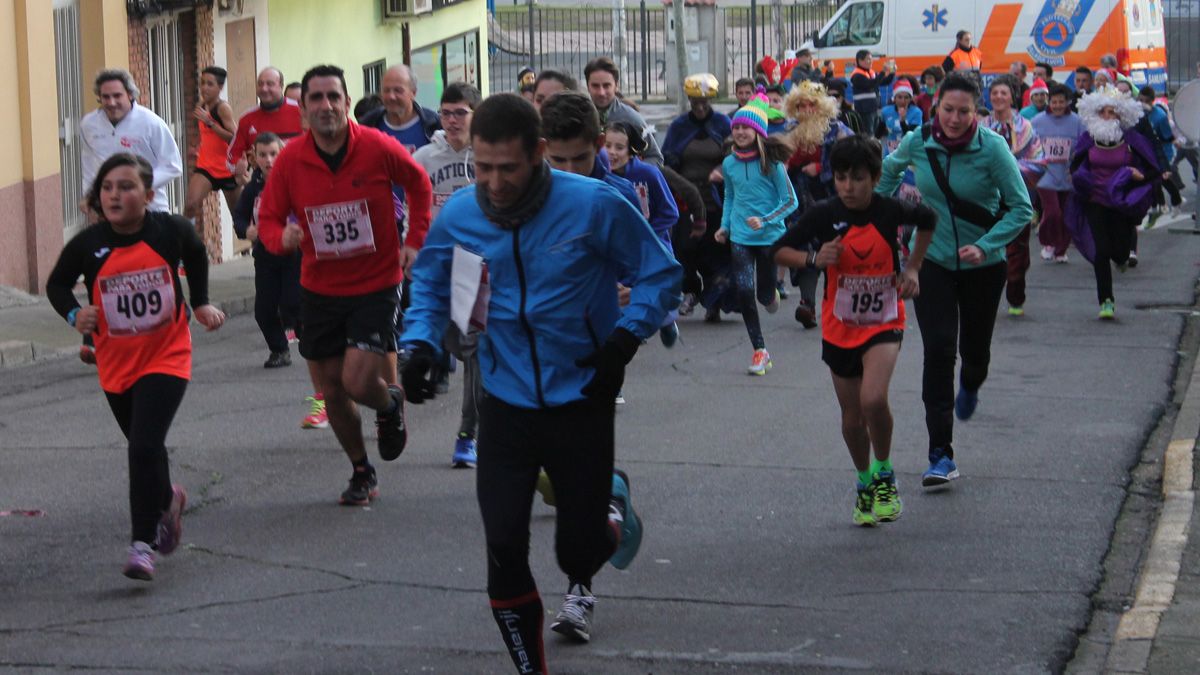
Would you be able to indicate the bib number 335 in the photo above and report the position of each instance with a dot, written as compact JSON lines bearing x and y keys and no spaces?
{"x":341,"y":230}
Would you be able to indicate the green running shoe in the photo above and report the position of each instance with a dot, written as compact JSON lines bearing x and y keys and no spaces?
{"x":1108,"y":309}
{"x":887,"y":506}
{"x":864,"y":507}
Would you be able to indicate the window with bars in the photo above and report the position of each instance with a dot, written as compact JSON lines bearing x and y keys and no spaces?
{"x":373,"y":77}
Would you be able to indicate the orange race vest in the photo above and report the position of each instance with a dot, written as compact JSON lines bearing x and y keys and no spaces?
{"x":972,"y":60}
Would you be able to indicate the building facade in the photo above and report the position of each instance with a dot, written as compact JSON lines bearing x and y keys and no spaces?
{"x":52,"y":49}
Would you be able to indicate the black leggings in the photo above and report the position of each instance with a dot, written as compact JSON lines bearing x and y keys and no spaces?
{"x":276,"y":297}
{"x":956,"y":311}
{"x":753,"y":264}
{"x":574,"y":443}
{"x":144,"y":413}
{"x":1114,"y":235}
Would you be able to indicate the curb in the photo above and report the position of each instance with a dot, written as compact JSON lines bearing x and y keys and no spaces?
{"x":1138,"y":626}
{"x":15,"y":353}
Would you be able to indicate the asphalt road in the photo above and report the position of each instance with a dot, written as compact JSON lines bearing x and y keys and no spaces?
{"x":750,"y":562}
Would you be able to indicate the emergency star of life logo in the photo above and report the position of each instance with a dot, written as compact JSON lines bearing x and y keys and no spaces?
{"x":935,"y":17}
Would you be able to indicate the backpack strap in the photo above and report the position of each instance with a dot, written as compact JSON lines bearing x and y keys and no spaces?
{"x":968,"y":210}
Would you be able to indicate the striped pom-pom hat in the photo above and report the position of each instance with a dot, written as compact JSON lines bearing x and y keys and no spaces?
{"x":754,"y":114}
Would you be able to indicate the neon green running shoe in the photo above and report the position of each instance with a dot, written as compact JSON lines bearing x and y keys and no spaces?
{"x":546,"y":489}
{"x":1108,"y":309}
{"x":864,"y":504}
{"x":887,"y":505}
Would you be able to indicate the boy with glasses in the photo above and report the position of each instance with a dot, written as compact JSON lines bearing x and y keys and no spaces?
{"x":448,"y":161}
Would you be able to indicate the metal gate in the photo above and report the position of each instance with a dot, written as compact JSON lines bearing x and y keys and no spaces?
{"x":1181,"y":23}
{"x":166,"y":92}
{"x":70,"y":110}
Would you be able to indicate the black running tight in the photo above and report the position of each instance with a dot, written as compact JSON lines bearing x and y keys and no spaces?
{"x":574,"y":443}
{"x":956,"y":311}
{"x":144,"y":413}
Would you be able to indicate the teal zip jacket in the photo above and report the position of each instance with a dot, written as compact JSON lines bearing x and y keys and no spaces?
{"x":749,"y":193}
{"x":983,"y":172}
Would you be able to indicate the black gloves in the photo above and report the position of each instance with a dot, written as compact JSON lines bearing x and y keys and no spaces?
{"x":414,"y":373}
{"x":609,"y":361}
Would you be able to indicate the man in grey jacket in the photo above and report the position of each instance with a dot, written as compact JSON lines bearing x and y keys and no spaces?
{"x":603,"y":81}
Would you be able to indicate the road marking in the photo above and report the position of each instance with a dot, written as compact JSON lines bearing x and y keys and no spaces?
{"x":1138,"y":627}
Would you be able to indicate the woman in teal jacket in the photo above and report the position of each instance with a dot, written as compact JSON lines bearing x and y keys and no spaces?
{"x":982,"y":205}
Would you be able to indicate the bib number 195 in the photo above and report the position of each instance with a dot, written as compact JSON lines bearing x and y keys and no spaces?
{"x":863,"y":303}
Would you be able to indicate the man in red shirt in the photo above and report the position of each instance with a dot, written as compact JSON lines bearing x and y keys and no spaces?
{"x":274,"y":113}
{"x":337,"y":180}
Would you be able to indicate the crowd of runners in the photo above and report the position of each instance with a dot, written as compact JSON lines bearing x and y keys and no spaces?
{"x":536,"y":240}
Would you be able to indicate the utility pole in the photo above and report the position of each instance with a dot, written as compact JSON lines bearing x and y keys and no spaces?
{"x":777,"y":20}
{"x":620,"y":51}
{"x":680,"y":50}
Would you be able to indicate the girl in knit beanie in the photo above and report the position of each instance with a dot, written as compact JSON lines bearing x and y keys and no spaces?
{"x":758,"y":196}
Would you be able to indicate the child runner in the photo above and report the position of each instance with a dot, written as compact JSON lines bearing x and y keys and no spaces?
{"x":758,"y":196}
{"x":276,"y":278}
{"x":216,"y":123}
{"x":1058,"y":128}
{"x":129,"y":261}
{"x":862,"y":320}
{"x":448,"y":161}
{"x":625,"y":147}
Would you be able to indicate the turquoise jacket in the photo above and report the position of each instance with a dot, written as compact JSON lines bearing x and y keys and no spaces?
{"x":749,"y":193}
{"x":983,"y":172}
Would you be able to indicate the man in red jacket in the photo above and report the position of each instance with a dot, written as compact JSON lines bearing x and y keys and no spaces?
{"x":337,"y":179}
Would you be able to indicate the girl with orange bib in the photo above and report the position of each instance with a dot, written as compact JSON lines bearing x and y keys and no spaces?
{"x":129,"y":262}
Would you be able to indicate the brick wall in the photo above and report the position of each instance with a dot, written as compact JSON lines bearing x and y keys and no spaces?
{"x":196,"y":43}
{"x":139,"y":57}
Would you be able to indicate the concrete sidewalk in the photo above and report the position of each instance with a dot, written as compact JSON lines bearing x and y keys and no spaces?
{"x":30,"y":329}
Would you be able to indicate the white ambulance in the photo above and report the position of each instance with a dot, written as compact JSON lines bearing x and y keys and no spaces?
{"x":1062,"y":33}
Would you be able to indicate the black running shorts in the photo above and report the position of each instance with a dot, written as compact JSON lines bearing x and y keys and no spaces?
{"x":333,"y":324}
{"x":848,"y":363}
{"x":222,"y":184}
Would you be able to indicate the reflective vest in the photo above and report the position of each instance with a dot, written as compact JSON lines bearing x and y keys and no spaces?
{"x":972,"y":60}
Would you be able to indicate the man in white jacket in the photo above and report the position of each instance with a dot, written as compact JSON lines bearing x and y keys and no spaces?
{"x":121,"y":125}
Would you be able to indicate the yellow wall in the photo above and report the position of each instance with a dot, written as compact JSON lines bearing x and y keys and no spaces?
{"x":352,"y":33}
{"x":11,"y":171}
{"x":37,"y":95}
{"x":104,"y":42}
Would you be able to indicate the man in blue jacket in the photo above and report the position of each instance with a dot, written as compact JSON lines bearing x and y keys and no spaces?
{"x":554,"y":344}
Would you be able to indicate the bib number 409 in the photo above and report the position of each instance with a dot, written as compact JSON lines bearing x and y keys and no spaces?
{"x":338,"y":233}
{"x":138,"y":305}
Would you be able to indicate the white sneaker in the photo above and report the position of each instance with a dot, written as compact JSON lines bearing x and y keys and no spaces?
{"x":774,"y":304}
{"x":1047,"y":253}
{"x":760,"y":363}
{"x":1061,"y":258}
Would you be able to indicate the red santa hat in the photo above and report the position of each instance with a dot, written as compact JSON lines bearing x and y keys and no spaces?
{"x":902,"y":87}
{"x":1039,"y":87}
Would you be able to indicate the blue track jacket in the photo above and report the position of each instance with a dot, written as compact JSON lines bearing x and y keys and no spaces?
{"x":553,"y":284}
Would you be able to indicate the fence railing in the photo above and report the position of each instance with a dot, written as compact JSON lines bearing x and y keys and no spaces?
{"x":1181,"y":23}
{"x":566,"y":38}
{"x":749,"y":36}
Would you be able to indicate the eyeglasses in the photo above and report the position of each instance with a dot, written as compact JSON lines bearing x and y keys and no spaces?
{"x":458,"y":114}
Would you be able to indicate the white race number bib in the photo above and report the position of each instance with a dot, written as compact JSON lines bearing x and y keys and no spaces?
{"x":341,"y":230}
{"x":1057,"y":149}
{"x":866,"y":300}
{"x":137,"y":302}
